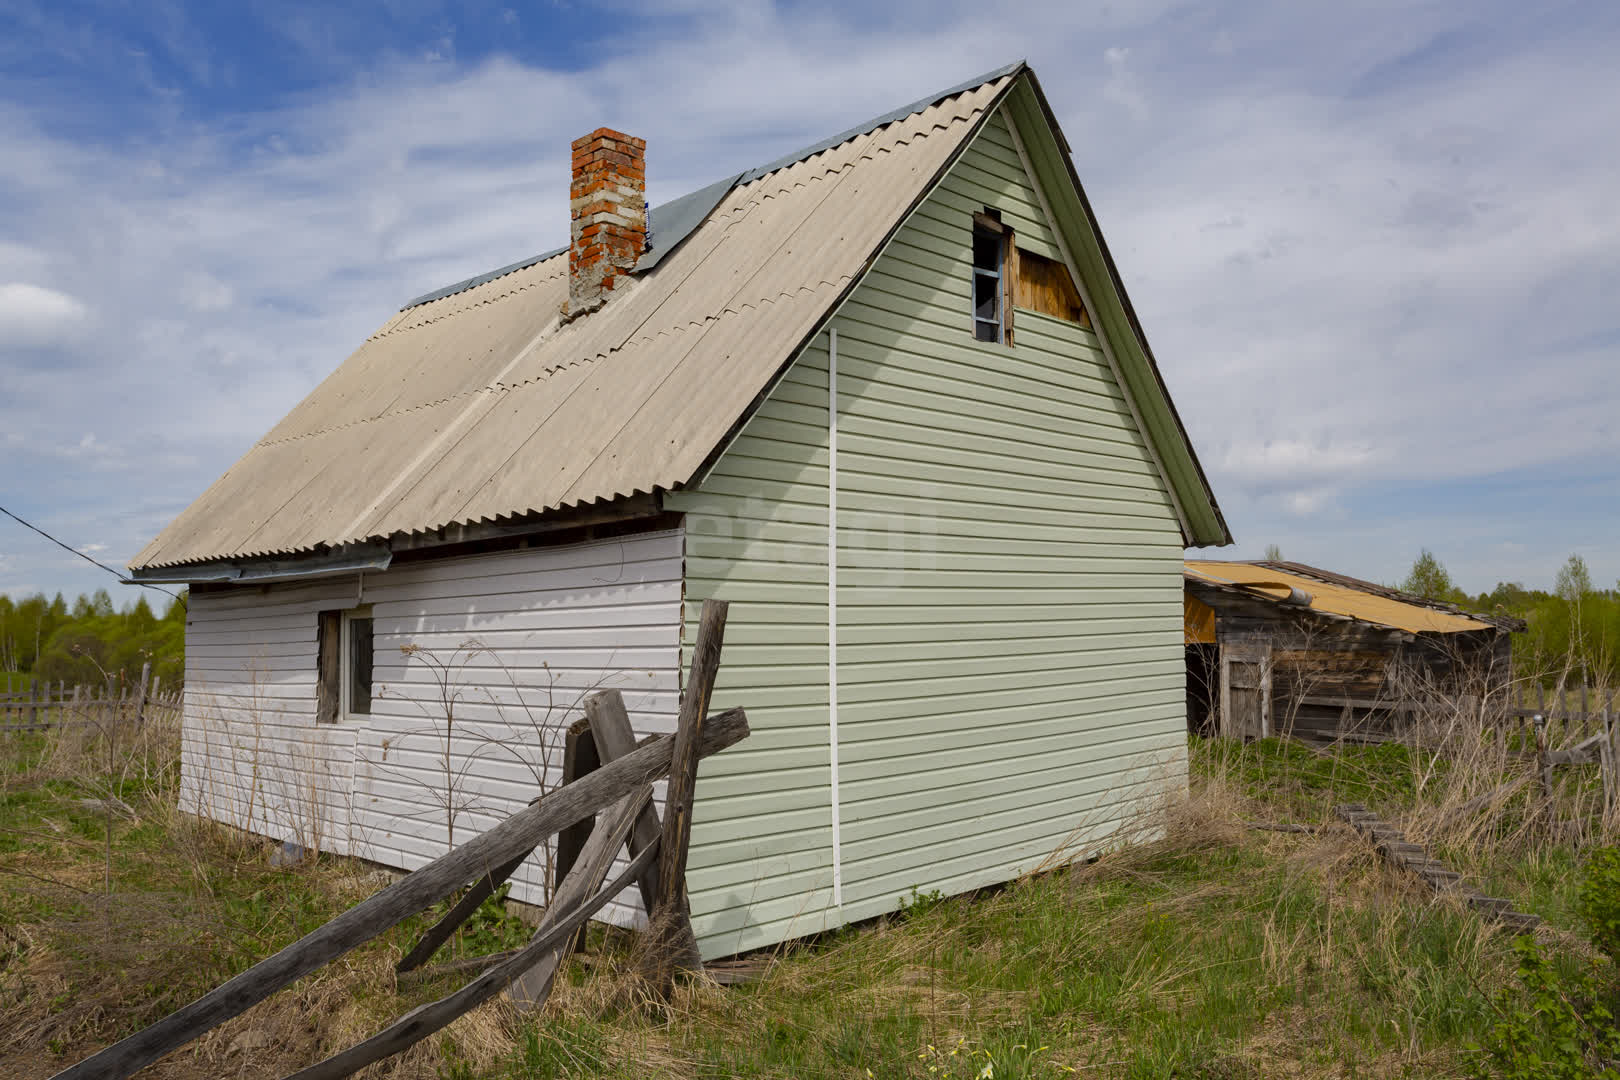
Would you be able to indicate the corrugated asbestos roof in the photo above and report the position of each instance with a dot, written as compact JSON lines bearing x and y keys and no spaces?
{"x":476,"y":403}
{"x":1382,"y":608}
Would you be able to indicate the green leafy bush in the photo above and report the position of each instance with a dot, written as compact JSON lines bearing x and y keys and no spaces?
{"x":1552,"y":1026}
{"x":492,"y":928}
{"x":1599,"y":900}
{"x":1560,"y":1026}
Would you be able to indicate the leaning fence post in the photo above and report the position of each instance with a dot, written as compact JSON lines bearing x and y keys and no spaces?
{"x":674,"y":944}
{"x":140,"y":695}
{"x":1606,"y":762}
{"x":1542,"y":767}
{"x":608,"y":730}
{"x":610,"y":727}
{"x":579,"y":757}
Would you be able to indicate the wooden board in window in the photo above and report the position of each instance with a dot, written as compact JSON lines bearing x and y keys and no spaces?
{"x":1044,"y":285}
{"x":327,"y":665}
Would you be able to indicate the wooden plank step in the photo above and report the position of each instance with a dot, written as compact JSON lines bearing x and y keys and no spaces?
{"x":1493,"y":904}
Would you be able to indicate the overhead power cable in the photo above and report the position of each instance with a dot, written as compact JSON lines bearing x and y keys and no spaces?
{"x":92,"y":561}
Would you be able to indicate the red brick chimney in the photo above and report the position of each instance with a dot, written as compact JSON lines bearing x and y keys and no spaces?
{"x":608,"y":201}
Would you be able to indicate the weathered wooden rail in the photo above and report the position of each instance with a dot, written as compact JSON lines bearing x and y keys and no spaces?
{"x":620,"y":785}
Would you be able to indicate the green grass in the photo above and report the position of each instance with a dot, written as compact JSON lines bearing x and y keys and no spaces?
{"x":1211,"y":950}
{"x":98,"y":940}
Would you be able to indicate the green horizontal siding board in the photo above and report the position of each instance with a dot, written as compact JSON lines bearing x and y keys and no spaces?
{"x":756,"y":535}
{"x":1019,"y":797}
{"x":1009,"y":594}
{"x":933,"y":515}
{"x":871,"y":756}
{"x":955,"y":636}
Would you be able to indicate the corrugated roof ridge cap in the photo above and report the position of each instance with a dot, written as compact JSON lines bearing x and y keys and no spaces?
{"x":879,"y":121}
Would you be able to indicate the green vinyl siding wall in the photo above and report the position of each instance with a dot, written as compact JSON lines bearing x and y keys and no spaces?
{"x":1010,"y":665}
{"x":756,"y":535}
{"x":1009,"y":656}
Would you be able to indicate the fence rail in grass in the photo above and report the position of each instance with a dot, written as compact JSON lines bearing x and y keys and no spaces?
{"x":47,"y":705}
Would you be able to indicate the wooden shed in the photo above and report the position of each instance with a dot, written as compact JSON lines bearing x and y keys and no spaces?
{"x":1281,"y":648}
{"x":885,"y":395}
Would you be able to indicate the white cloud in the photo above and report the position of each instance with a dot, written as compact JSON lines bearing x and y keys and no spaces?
{"x":1121,"y":87}
{"x":32,"y":316}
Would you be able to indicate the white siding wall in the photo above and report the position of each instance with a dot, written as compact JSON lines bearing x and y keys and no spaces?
{"x":512,"y":641}
{"x":252,"y":754}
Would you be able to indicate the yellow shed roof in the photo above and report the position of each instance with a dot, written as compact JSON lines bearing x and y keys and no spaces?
{"x":1336,"y":599}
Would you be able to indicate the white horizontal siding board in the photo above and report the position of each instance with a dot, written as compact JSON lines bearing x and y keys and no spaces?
{"x":483,"y":662}
{"x":513,"y":641}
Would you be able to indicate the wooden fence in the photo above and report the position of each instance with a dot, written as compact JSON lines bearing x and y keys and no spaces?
{"x":1552,"y":732}
{"x":47,"y":705}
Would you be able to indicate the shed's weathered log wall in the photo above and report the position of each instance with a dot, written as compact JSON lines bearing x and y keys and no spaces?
{"x":1317,"y":657}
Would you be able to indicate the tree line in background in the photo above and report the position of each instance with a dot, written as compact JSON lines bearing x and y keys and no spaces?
{"x":1572,"y":633}
{"x":89,"y":642}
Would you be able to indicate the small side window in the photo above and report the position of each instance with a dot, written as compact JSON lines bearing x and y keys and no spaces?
{"x":991,"y":241}
{"x":343,"y":652}
{"x":357,"y":662}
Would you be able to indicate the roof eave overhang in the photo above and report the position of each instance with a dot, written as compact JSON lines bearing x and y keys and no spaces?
{"x":349,"y":559}
{"x":378,"y":553}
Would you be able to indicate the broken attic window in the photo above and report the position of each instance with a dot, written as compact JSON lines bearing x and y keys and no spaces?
{"x":989,"y":263}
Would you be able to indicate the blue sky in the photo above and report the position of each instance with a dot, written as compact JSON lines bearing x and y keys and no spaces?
{"x":1376,"y":247}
